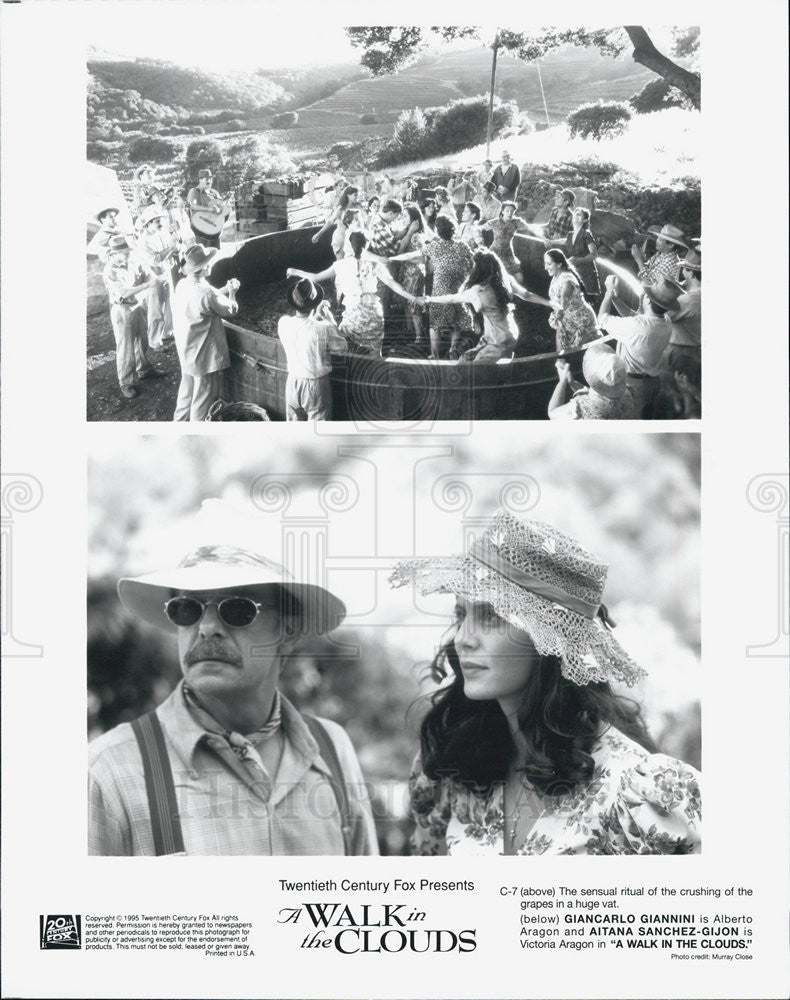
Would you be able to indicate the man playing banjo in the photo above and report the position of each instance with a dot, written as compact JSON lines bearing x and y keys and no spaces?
{"x":207,"y":210}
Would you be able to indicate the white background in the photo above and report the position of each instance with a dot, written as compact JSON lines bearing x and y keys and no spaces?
{"x":44,"y":435}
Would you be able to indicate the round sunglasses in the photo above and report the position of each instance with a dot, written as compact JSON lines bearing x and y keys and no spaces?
{"x":236,"y":612}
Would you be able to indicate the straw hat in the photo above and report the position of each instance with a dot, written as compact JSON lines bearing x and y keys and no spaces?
{"x":224,"y":567}
{"x":541,"y":581}
{"x":671,"y":233}
{"x":141,"y":170}
{"x":604,"y":371}
{"x":110,"y":208}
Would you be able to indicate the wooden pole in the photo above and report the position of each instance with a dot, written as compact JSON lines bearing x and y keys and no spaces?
{"x":490,"y":128}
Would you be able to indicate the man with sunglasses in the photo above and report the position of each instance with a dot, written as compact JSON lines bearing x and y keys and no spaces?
{"x":226,"y":765}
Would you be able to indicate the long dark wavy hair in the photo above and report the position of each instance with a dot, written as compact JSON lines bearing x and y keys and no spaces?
{"x":470,"y":740}
{"x":487,"y":270}
{"x":559,"y":258}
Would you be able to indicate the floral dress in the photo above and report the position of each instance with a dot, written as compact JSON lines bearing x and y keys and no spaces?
{"x":502,"y":244}
{"x":452,"y":263}
{"x":635,"y":803}
{"x":573,"y":317}
{"x":363,"y":323}
{"x":587,"y":404}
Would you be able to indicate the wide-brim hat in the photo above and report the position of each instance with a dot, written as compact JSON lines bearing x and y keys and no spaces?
{"x":665,"y":292}
{"x":141,"y":170}
{"x":104,"y":211}
{"x":196,"y":257}
{"x":692,"y":260}
{"x":541,"y":581}
{"x":204,"y":172}
{"x":213,"y":568}
{"x":604,"y":371}
{"x":671,"y":233}
{"x":150,"y":213}
{"x":305,"y":295}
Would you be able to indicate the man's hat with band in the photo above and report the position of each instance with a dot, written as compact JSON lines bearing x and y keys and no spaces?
{"x":542,"y":582}
{"x":197,"y":257}
{"x":213,"y":568}
{"x":118,"y":242}
{"x":305,"y":295}
{"x":669,"y":232}
{"x":664,"y":293}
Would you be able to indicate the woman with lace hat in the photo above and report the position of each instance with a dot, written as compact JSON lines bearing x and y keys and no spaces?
{"x":526,"y":748}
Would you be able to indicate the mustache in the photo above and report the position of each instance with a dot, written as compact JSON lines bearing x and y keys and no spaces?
{"x":211,"y":649}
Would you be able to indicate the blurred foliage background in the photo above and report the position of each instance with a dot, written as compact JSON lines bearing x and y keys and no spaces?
{"x":632,"y":499}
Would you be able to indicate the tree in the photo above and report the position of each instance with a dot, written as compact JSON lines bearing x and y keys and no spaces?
{"x":599,"y":119}
{"x":202,"y":154}
{"x":150,"y":148}
{"x":388,"y":49}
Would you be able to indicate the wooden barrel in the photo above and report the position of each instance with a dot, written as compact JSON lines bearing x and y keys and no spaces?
{"x":371,"y":389}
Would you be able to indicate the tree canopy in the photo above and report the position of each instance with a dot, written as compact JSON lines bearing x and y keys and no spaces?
{"x":387,"y":49}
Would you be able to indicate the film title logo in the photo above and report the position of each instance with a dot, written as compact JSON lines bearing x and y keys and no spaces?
{"x":375,"y":928}
{"x":60,"y":930}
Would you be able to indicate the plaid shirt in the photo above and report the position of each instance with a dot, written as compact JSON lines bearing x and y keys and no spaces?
{"x":383,"y":242}
{"x":658,"y":265}
{"x":560,"y":224}
{"x":295,"y":813}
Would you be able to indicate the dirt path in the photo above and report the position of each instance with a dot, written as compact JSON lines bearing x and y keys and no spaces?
{"x":157,"y":396}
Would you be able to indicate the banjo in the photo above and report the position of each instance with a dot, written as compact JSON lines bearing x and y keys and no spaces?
{"x":207,"y":221}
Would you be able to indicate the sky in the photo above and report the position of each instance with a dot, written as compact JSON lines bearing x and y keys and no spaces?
{"x":125,"y":29}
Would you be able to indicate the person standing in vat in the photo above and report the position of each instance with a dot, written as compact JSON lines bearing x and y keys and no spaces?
{"x":202,"y":347}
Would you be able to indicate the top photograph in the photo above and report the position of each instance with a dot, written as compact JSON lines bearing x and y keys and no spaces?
{"x":393,"y":223}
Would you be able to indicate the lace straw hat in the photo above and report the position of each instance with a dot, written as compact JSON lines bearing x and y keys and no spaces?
{"x":543,"y":582}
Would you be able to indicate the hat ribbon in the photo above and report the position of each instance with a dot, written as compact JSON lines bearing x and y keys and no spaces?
{"x":491,"y":558}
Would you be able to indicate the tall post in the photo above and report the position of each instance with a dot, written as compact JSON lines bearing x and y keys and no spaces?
{"x":490,"y":129}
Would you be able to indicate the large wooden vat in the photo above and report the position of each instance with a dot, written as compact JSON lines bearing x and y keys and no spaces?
{"x":371,"y":389}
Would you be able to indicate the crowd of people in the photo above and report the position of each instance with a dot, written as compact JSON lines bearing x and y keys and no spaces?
{"x":433,"y":271}
{"x":150,"y":305}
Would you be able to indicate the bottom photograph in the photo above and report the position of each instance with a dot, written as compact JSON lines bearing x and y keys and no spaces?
{"x":400,"y":645}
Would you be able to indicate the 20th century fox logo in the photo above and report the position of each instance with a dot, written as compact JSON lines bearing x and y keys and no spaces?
{"x":60,"y":930}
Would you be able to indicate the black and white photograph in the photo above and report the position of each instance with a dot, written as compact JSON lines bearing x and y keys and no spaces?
{"x":421,"y":689}
{"x":398,"y":223}
{"x":484,"y":648}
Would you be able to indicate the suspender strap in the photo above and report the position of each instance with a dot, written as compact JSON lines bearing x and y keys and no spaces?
{"x":159,"y":786}
{"x":337,"y":780}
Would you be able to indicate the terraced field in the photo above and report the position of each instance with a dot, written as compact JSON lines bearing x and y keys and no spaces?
{"x":388,"y":94}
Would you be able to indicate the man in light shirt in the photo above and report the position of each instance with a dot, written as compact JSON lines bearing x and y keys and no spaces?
{"x":198,"y":310}
{"x":308,"y":339}
{"x":226,"y":765}
{"x":642,"y":336}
